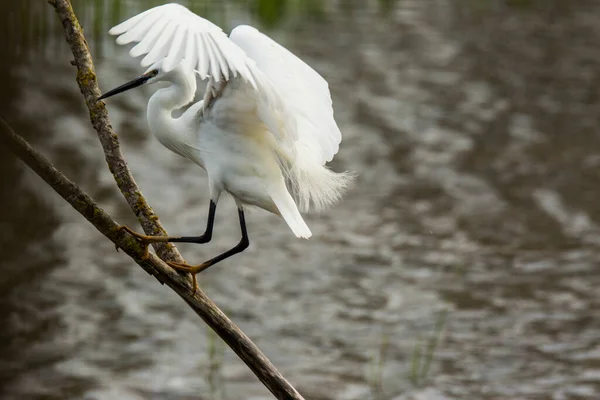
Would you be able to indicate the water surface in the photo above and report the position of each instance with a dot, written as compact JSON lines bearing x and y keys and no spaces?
{"x":474,"y":129}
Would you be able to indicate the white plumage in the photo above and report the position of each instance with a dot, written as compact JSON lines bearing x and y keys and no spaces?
{"x":265,"y":128}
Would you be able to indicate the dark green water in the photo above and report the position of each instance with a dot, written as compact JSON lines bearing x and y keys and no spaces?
{"x":474,"y":128}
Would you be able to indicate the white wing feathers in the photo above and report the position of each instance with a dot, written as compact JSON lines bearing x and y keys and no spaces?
{"x":293,"y":100}
{"x":303,"y":91}
{"x":173,"y":32}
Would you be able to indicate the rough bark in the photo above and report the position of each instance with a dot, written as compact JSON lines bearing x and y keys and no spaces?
{"x":88,"y":84}
{"x":180,"y":283}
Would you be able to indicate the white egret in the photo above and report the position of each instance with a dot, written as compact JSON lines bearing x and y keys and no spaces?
{"x":263,"y":131}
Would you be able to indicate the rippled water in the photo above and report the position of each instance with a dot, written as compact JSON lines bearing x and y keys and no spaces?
{"x":474,"y":129}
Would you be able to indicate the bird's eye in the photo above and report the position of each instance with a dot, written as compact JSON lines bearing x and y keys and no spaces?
{"x":154,"y":72}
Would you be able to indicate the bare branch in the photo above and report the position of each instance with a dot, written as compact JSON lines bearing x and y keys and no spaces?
{"x":199,"y":302}
{"x":88,"y":84}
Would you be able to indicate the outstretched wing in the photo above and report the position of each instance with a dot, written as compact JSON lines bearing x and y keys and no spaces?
{"x":304,"y":93}
{"x":292,"y":99}
{"x":172,"y":32}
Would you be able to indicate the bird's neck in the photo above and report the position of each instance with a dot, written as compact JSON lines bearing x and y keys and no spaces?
{"x":163,"y":103}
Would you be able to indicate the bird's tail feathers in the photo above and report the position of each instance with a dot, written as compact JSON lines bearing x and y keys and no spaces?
{"x":315,"y":187}
{"x":289,"y":211}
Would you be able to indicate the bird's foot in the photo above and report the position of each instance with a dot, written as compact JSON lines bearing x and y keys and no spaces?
{"x":144,"y":240}
{"x":192,"y":269}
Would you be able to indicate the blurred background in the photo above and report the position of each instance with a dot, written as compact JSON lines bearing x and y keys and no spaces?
{"x":463,"y":264}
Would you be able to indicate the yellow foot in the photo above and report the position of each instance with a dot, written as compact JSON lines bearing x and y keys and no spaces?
{"x":192,"y":269}
{"x":144,"y":240}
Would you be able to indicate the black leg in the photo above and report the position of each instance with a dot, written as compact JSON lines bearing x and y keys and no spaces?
{"x":241,"y":246}
{"x":206,"y":236}
{"x":145,"y":240}
{"x":238,"y":248}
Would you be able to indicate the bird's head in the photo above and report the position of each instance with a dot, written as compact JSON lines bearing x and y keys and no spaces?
{"x":155,"y":73}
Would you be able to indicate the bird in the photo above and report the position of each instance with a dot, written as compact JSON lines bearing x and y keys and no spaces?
{"x":263,"y":131}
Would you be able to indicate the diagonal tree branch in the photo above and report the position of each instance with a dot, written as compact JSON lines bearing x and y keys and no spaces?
{"x":88,"y":84}
{"x":198,"y":301}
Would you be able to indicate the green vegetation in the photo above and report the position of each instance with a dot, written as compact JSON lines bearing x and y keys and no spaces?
{"x":422,"y":358}
{"x":213,"y":369}
{"x":420,"y":361}
{"x":375,"y":373}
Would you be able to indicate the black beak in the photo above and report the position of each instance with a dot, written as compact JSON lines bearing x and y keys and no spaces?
{"x":129,"y":85}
